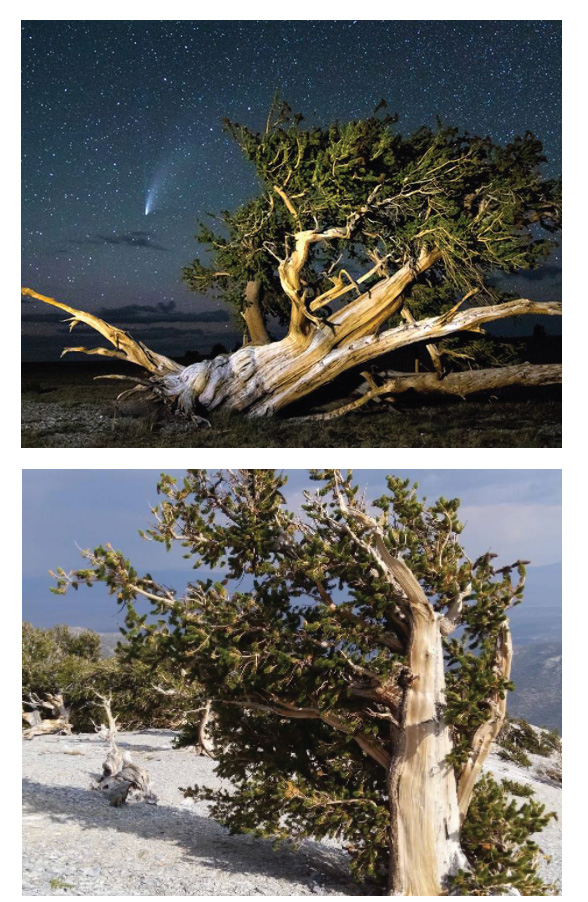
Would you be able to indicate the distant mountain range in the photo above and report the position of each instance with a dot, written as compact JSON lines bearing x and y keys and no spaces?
{"x":536,"y":673}
{"x":538,"y":618}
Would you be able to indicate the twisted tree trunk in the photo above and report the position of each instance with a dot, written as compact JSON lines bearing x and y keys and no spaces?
{"x":261,"y":380}
{"x":426,"y":801}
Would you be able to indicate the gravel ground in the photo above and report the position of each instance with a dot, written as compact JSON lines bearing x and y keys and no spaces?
{"x":60,"y":425}
{"x":73,"y":837}
{"x":76,"y":844}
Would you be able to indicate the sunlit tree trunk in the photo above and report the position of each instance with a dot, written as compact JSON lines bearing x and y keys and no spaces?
{"x":253,"y":316}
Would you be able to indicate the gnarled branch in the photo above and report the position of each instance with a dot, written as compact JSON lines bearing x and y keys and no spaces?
{"x":127,"y":348}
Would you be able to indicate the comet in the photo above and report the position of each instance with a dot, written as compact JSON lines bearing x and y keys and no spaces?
{"x":149,"y":201}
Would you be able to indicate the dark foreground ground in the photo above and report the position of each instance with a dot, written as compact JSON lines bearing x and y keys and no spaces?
{"x":63,"y":407}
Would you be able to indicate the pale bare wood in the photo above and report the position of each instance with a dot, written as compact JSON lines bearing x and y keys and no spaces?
{"x":120,"y":776}
{"x":424,"y":814}
{"x":489,"y":730}
{"x":58,"y":722}
{"x":454,"y":384}
{"x":126,"y":347}
{"x":261,"y":380}
{"x":258,"y":334}
{"x":431,"y":349}
{"x":205,"y":745}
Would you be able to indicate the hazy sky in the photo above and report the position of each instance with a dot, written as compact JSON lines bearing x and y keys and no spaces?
{"x":515,"y":513}
{"x":124,"y":149}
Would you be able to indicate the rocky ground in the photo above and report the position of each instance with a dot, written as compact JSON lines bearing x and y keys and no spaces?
{"x":475,"y":424}
{"x":76,"y":844}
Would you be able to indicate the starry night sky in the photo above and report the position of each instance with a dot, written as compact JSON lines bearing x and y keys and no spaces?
{"x":123,"y":147}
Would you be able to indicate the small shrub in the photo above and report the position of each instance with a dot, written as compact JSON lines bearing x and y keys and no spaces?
{"x":518,"y":739}
{"x":57,"y":660}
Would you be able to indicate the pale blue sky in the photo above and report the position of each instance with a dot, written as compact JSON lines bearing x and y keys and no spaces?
{"x":515,"y":513}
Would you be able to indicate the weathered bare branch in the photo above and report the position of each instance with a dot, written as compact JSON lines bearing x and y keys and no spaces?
{"x":489,"y":730}
{"x":454,"y":384}
{"x":126,"y":347}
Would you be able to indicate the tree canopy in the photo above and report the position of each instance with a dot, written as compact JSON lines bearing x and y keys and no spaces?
{"x":363,"y":241}
{"x":482,"y":206}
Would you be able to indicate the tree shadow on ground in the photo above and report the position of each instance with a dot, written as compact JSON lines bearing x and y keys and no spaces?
{"x":203,"y":840}
{"x":127,"y":743}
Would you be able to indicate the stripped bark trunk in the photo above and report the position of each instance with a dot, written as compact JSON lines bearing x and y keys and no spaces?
{"x":425,"y":804}
{"x":258,"y":334}
{"x":425,"y":850}
{"x":262,"y":380}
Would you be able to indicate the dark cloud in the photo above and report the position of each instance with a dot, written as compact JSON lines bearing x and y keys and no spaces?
{"x":539,"y":275}
{"x":550,"y":273}
{"x":126,"y":239}
{"x":143,"y":313}
{"x":139,"y":313}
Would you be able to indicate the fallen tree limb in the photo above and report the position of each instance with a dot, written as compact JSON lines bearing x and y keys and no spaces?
{"x":455,"y":384}
{"x":58,"y":722}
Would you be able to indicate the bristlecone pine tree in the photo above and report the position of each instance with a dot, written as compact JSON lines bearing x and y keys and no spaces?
{"x":361,"y":241}
{"x":342,"y":707}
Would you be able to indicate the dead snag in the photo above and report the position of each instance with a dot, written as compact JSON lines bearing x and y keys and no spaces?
{"x":120,"y":778}
{"x":57,"y":722}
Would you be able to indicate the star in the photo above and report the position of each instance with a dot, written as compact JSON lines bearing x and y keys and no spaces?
{"x":113,"y":108}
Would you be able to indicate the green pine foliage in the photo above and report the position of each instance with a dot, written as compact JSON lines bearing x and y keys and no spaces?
{"x":495,"y":837}
{"x":518,"y":739}
{"x":292,"y":639}
{"x":486,"y":207}
{"x":56,"y":660}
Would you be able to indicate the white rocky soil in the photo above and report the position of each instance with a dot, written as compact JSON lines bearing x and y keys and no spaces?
{"x":76,"y":844}
{"x":546,"y":791}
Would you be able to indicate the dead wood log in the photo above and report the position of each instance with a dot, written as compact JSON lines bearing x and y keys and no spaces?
{"x":33,"y":718}
{"x":120,"y":778}
{"x":453,"y":384}
{"x":131,"y":781}
{"x":48,"y":726}
{"x":58,"y":722}
{"x":468,"y":382}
